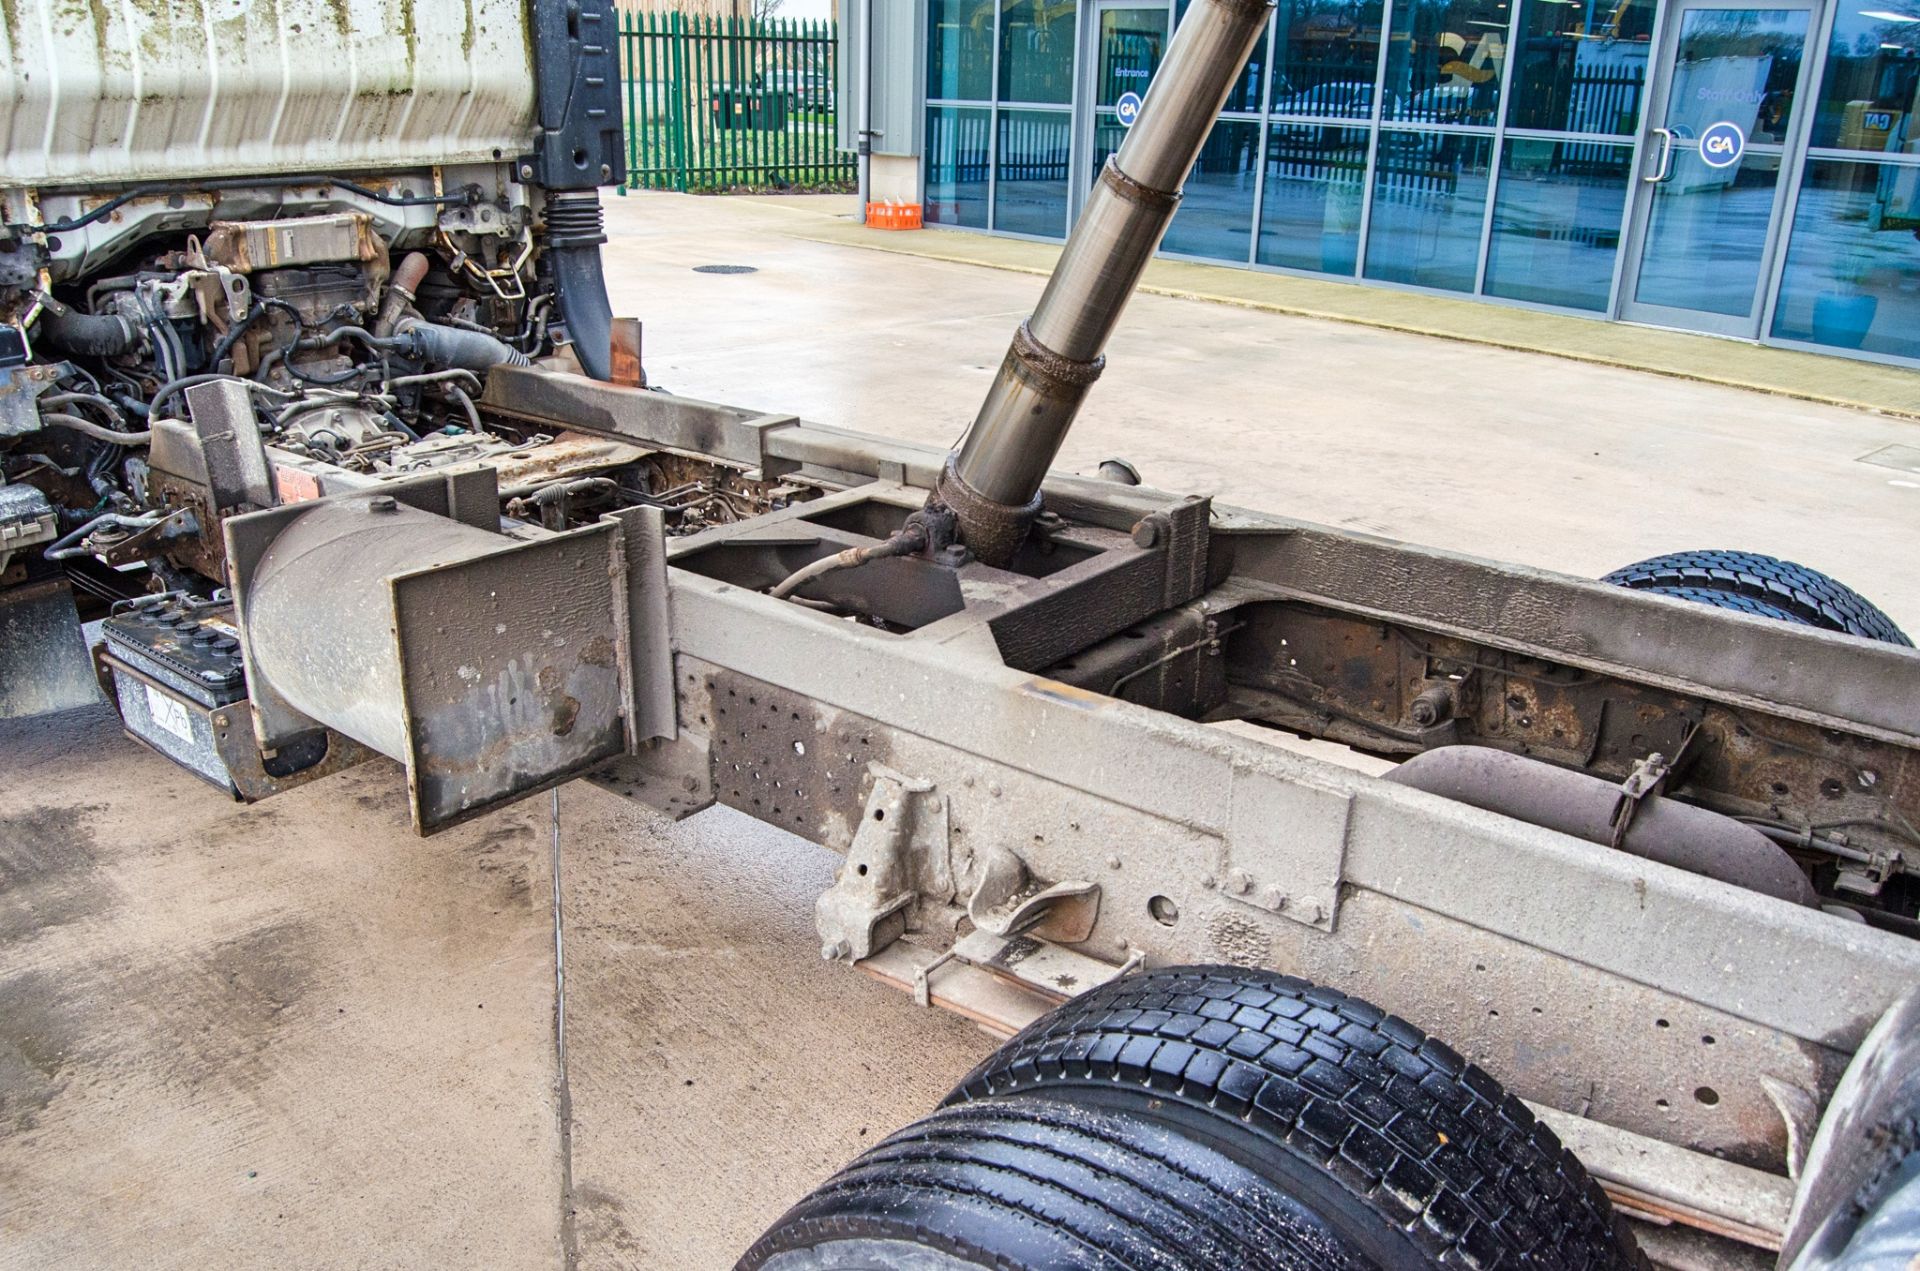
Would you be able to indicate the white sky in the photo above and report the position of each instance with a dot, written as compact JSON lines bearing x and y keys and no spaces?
{"x":813,"y":10}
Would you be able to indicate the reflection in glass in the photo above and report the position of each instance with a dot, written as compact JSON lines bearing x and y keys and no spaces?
{"x":1036,"y":50}
{"x":1707,"y":234}
{"x":1556,"y":221}
{"x":1132,"y":41}
{"x":1429,"y":199}
{"x":1244,"y":96}
{"x":1872,"y":84}
{"x":1580,"y":67}
{"x":1030,"y":196}
{"x":1328,"y":52}
{"x":1444,"y":61}
{"x":956,"y":161}
{"x":960,"y":49}
{"x":1853,"y":259}
{"x":1216,"y":212}
{"x":1737,"y":66}
{"x":1310,"y":206}
{"x":1107,"y":136}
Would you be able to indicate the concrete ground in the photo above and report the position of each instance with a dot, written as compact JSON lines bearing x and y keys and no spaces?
{"x":295,"y":1034}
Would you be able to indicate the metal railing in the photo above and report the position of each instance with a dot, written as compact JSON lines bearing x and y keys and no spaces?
{"x":720,"y":103}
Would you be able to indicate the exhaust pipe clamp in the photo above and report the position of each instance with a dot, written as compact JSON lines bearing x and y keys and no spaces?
{"x":1041,"y":362}
{"x":992,"y":531}
{"x":1134,"y":191}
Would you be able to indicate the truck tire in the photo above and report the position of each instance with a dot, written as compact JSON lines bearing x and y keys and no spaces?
{"x":1391,"y":1138}
{"x":1764,"y":585}
{"x":1033,"y":1182}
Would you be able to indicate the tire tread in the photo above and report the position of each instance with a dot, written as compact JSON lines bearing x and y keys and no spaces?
{"x":1427,"y":1141}
{"x":1768,"y":586}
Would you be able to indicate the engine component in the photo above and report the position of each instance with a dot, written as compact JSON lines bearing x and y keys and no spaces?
{"x":456,"y":347}
{"x":26,"y":519}
{"x":580,"y":148}
{"x":245,"y":246}
{"x":96,"y":335}
{"x":574,"y":234}
{"x":330,"y":291}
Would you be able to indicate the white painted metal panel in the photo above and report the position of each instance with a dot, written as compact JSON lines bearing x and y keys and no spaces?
{"x":119,"y":90}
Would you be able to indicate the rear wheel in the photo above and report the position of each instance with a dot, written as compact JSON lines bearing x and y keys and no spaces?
{"x":1762,"y":585}
{"x":1033,"y":1182}
{"x":1213,"y":1116}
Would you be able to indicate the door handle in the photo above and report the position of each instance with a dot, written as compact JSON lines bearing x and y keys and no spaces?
{"x":1665,"y":169}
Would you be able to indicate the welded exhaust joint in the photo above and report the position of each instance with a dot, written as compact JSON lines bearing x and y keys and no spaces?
{"x":993,"y":482}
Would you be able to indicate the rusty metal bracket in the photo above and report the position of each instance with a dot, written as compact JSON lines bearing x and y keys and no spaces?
{"x":1009,"y":901}
{"x":1648,"y":778}
{"x":900,"y":852}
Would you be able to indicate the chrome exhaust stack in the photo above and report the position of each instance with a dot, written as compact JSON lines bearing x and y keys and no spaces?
{"x":992,"y":482}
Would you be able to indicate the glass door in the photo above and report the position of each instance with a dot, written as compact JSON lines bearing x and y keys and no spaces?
{"x":1723,"y":130}
{"x":1129,"y":41}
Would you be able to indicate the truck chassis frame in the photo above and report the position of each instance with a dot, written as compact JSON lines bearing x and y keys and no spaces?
{"x":1018,"y":830}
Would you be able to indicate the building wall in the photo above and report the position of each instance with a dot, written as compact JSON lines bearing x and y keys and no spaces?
{"x":1488,"y":148}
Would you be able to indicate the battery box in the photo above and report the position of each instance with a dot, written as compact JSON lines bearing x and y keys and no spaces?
{"x":176,"y":660}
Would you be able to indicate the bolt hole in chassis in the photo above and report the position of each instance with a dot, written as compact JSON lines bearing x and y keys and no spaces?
{"x":1053,"y":724}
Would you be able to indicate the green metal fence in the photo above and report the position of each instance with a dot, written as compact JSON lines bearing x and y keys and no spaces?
{"x":716,"y":103}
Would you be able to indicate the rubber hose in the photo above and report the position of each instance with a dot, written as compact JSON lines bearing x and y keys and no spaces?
{"x":88,"y":334}
{"x":466,"y":350}
{"x":575,"y":230}
{"x":87,"y":428}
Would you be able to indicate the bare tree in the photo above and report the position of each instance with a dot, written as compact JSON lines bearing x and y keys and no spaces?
{"x":764,"y":9}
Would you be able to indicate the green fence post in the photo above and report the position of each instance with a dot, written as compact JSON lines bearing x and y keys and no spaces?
{"x":677,"y":52}
{"x":629,"y":62}
{"x":675,"y":63}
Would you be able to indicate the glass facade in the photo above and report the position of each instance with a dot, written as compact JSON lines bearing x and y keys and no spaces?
{"x":1558,"y":153}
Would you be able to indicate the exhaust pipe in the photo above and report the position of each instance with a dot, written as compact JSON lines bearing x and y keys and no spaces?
{"x":992,"y":482}
{"x":1678,"y":834}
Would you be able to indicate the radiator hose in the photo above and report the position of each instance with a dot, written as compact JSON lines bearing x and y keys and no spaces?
{"x":457,"y":347}
{"x":88,"y":334}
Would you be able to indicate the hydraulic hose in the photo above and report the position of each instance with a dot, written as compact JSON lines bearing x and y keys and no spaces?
{"x":87,"y":428}
{"x":909,"y":541}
